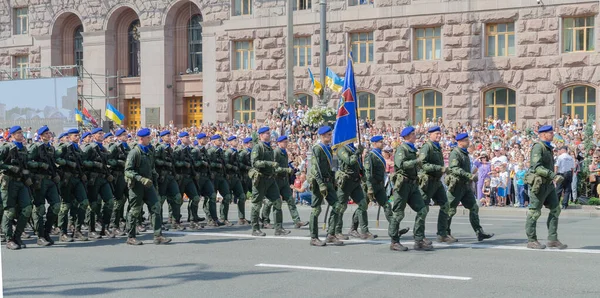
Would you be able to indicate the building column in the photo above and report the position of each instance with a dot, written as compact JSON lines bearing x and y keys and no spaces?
{"x":49,"y":53}
{"x":98,"y":65}
{"x":156,"y":87}
{"x":209,"y":73}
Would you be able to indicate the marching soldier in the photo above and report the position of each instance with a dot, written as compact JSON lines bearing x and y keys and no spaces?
{"x":205,"y":184}
{"x":184,"y":166}
{"x":542,"y":192}
{"x":459,"y":186}
{"x":246,"y":165}
{"x":263,"y":184}
{"x":100,"y":179}
{"x":168,"y":189}
{"x":15,"y":181}
{"x":406,"y":166}
{"x":349,"y":178}
{"x":234,"y":170}
{"x":219,"y":168}
{"x":61,"y":140}
{"x":430,"y":181}
{"x":141,"y":177}
{"x":321,"y":180}
{"x":42,"y":163}
{"x":117,"y":155}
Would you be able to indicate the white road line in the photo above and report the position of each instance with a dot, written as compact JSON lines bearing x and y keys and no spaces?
{"x":432,"y":222}
{"x":365,"y":272}
{"x":406,"y":243}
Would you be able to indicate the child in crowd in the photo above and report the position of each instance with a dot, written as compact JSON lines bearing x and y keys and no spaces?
{"x":494,"y":184}
{"x":503,"y":185}
{"x":487,"y":190}
{"x":520,"y":191}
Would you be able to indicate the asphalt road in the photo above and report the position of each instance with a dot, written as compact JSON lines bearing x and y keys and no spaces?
{"x":229,"y":262}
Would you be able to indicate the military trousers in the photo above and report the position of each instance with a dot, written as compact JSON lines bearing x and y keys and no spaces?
{"x":317,"y":201}
{"x":207,"y":190}
{"x":74,"y":196}
{"x":236,"y":187}
{"x":546,"y":196}
{"x":286,"y":195}
{"x":138,"y":196}
{"x":100,"y":195}
{"x":352,"y":189}
{"x":121,"y":194}
{"x":462,"y":193}
{"x":222,"y":186}
{"x":188,"y":186}
{"x":265,"y":188}
{"x":48,"y":191}
{"x":380,"y":196}
{"x":168,"y":190}
{"x":408,"y":193}
{"x":434,"y":190}
{"x":16,"y":200}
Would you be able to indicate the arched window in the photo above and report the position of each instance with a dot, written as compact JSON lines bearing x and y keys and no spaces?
{"x":579,"y":100}
{"x":366,"y":105}
{"x":304,"y":99}
{"x":428,"y":105}
{"x":501,"y":103}
{"x":78,"y":45}
{"x":134,"y":48}
{"x":243,"y":109}
{"x":195,"y":44}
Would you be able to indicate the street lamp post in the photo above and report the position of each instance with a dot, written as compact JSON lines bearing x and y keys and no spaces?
{"x":323,"y":57}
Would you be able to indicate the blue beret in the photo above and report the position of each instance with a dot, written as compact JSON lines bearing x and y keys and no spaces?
{"x":323,"y":130}
{"x":376,"y":139}
{"x":85,"y":135}
{"x":120,"y":132}
{"x":62,"y":135}
{"x":144,"y":132}
{"x":545,"y":128}
{"x":164,"y":133}
{"x":282,"y":138}
{"x":108,"y":135}
{"x":406,"y":131}
{"x":42,"y":130}
{"x":434,"y":129}
{"x":129,"y":135}
{"x":231,"y":138}
{"x":247,"y":140}
{"x":215,"y":137}
{"x":14,"y":129}
{"x":96,"y":130}
{"x":184,"y":134}
{"x":195,"y":142}
{"x":73,"y":131}
{"x":263,"y":129}
{"x":462,"y":136}
{"x":201,"y":136}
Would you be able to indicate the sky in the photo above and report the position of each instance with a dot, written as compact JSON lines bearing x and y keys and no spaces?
{"x":36,"y":93}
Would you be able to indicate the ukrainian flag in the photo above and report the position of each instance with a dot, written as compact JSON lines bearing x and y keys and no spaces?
{"x":334,"y":82}
{"x":318,"y":87}
{"x":78,"y":116}
{"x":345,"y":130}
{"x":113,"y":114}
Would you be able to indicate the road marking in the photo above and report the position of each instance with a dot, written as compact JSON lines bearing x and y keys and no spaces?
{"x":435,"y":222}
{"x":365,"y":271}
{"x":406,"y":243}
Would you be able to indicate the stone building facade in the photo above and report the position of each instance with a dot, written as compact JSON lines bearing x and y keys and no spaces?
{"x":462,"y":60}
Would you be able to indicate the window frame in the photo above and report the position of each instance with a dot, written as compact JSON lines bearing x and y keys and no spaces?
{"x":495,"y":106}
{"x":133,"y":49}
{"x":425,"y":108}
{"x":496,"y":34}
{"x":585,"y":105}
{"x":78,"y":47}
{"x":194,"y":30}
{"x":21,"y":67}
{"x":417,"y":40}
{"x":357,"y":3}
{"x":369,"y":47}
{"x":234,"y":12}
{"x":574,"y":30}
{"x":21,"y":29}
{"x":306,"y":48}
{"x":249,"y":50}
{"x":307,"y":5}
{"x":370,"y":109}
{"x":309,"y":99}
{"x":251,"y":112}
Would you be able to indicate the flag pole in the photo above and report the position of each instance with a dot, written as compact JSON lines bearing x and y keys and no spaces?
{"x":355,"y":103}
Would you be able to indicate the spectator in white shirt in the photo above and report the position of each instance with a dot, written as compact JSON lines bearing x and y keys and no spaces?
{"x":564,"y":166}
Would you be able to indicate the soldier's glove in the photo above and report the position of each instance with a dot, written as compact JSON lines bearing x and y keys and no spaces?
{"x":274,"y":164}
{"x":25,"y":172}
{"x":45,"y":166}
{"x":419,"y":163}
{"x":146,"y":182}
{"x":56,"y":179}
{"x":110,"y":178}
{"x":474,"y":178}
{"x":289,"y":171}
{"x":559,"y":179}
{"x":552,"y":175}
{"x":72,"y":164}
{"x":14,"y":169}
{"x":370,"y":194}
{"x":28,"y":182}
{"x":98,"y":164}
{"x":323,"y":190}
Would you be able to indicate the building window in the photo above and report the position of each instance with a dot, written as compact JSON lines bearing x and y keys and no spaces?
{"x":244,"y":55}
{"x":304,"y":99}
{"x":242,"y":7}
{"x":428,"y":43}
{"x":578,"y":34}
{"x":366,"y":105}
{"x":21,"y":66}
{"x":362,"y":47}
{"x":21,"y":21}
{"x":243,"y":109}
{"x":134,"y":113}
{"x":78,"y":47}
{"x":194,"y":111}
{"x":360,"y":2}
{"x":302,"y":4}
{"x":302,"y":51}
{"x":195,"y":43}
{"x":580,"y":101}
{"x":134,"y":48}
{"x":500,"y":39}
{"x":428,"y":106}
{"x":500,"y":103}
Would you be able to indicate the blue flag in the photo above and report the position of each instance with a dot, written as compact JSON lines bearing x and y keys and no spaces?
{"x":345,"y":130}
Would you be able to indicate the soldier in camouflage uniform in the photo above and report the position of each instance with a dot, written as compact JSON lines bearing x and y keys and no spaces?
{"x":141,"y":176}
{"x":246,"y":164}
{"x":542,"y":192}
{"x":220,"y":169}
{"x":61,"y":140}
{"x":263,"y":183}
{"x":430,"y":181}
{"x":168,"y":189}
{"x":234,"y":172}
{"x":205,"y":184}
{"x":42,"y":163}
{"x":406,"y":188}
{"x":349,"y":178}
{"x":100,"y":183}
{"x":15,"y":181}
{"x":117,"y":155}
{"x":184,"y":166}
{"x":459,"y":181}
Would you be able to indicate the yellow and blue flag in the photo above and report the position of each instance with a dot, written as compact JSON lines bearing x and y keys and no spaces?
{"x":113,"y":114}
{"x":334,"y":82}
{"x":78,"y":116}
{"x":345,"y":130}
{"x":317,"y":85}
